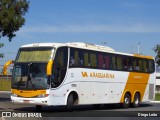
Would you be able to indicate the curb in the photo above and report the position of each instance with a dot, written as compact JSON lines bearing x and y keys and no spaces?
{"x":5,"y":91}
{"x":155,"y":101}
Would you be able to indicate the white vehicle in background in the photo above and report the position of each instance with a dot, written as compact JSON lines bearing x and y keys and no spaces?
{"x":55,"y":74}
{"x":157,"y":81}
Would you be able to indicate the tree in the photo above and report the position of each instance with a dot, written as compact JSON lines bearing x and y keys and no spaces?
{"x":12,"y":16}
{"x":157,"y":50}
{"x":1,"y":54}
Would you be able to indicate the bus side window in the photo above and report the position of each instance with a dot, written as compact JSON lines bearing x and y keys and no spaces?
{"x":86,"y":59}
{"x":107,"y":61}
{"x":59,"y":58}
{"x":151,"y":66}
{"x":71,"y":59}
{"x":127,"y":64}
{"x":100,"y":61}
{"x":59,"y":66}
{"x":80,"y":59}
{"x":140,"y":65}
{"x":145,"y":69}
{"x":130,"y":64}
{"x":114,"y":62}
{"x":76,"y":57}
{"x":119,"y":63}
{"x":93,"y":60}
{"x":136,"y":64}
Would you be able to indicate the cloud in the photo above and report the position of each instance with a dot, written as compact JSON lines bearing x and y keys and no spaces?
{"x":135,"y":5}
{"x":137,"y":28}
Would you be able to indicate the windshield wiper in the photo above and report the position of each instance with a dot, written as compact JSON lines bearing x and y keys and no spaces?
{"x":30,"y":78}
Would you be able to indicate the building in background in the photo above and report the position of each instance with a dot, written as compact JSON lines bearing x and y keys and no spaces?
{"x":158,"y":80}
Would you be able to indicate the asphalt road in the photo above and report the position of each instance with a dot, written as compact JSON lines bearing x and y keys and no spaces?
{"x":148,"y":110}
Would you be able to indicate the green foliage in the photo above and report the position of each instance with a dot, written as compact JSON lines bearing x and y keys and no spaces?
{"x":11,"y":16}
{"x":1,"y":45}
{"x":157,"y":50}
{"x":5,"y":84}
{"x":1,"y":54}
{"x":157,"y":97}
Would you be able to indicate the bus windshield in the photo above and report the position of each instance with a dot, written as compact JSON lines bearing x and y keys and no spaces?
{"x":30,"y":68}
{"x":30,"y":76}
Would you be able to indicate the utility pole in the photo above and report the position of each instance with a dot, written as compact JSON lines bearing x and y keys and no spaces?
{"x":138,"y":47}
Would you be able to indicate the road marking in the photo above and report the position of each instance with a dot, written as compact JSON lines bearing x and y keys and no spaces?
{"x":155,"y":101}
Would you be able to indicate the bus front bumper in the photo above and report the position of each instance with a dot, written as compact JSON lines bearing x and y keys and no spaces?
{"x":34,"y":101}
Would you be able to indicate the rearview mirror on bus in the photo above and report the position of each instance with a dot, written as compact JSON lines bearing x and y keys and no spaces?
{"x":49,"y":67}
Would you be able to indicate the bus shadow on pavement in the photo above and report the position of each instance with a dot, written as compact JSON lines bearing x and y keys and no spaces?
{"x":107,"y":107}
{"x":4,"y":99}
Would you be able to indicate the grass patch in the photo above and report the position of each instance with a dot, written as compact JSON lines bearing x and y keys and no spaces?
{"x":5,"y":84}
{"x":157,"y":97}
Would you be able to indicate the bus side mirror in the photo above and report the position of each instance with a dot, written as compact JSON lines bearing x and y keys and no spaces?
{"x":49,"y":67}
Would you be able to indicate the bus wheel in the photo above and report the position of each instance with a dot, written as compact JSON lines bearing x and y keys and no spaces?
{"x":70,"y":103}
{"x":39,"y":107}
{"x":136,"y":101}
{"x":127,"y":100}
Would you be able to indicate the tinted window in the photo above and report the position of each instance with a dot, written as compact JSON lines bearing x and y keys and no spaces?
{"x":59,"y":66}
{"x":100,"y":60}
{"x":93,"y":60}
{"x":119,"y":62}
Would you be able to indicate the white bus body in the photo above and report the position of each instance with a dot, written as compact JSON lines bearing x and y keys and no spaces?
{"x":87,"y":84}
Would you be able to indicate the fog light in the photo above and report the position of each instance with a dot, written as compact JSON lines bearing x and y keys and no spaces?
{"x":43,"y":95}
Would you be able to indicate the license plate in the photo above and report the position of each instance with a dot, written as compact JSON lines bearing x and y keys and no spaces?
{"x":26,"y":101}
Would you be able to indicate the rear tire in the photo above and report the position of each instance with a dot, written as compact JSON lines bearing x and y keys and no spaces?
{"x":127,"y":101}
{"x":70,"y":103}
{"x":136,"y":101}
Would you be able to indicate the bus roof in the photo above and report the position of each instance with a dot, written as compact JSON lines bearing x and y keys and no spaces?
{"x":85,"y":46}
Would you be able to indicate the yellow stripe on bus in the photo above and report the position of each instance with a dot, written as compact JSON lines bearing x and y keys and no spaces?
{"x":137,"y":82}
{"x":142,"y":56}
{"x":28,"y":93}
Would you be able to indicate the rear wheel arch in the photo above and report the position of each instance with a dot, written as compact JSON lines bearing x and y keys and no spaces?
{"x":126,"y":92}
{"x":72,"y":99}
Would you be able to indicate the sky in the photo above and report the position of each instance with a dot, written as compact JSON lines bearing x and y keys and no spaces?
{"x":121,"y":24}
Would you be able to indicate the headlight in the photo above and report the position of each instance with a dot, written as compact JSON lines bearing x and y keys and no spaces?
{"x":14,"y":95}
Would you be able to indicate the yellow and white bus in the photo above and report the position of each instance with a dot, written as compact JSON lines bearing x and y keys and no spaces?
{"x":56,"y":74}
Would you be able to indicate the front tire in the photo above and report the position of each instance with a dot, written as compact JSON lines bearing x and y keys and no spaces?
{"x":70,"y":103}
